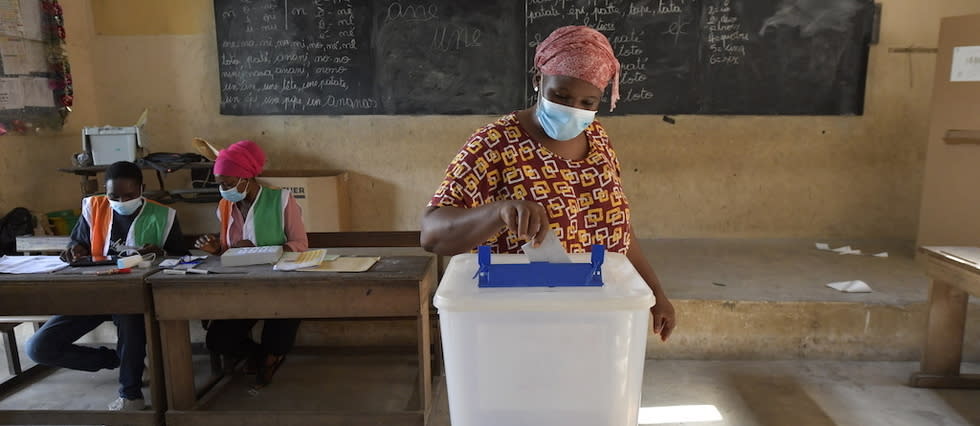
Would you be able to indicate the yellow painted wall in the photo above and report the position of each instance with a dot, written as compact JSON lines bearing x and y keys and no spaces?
{"x":706,"y":176}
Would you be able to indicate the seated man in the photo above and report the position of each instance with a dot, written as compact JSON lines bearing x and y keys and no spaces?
{"x":122,"y":215}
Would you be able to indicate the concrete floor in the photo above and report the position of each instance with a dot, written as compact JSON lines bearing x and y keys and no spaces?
{"x":785,"y":270}
{"x":742,"y":393}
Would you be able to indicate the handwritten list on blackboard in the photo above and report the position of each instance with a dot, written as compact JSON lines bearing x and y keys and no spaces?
{"x":353,"y":57}
{"x":452,"y":57}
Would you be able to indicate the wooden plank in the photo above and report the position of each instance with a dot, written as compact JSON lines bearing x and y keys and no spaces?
{"x":78,"y":417}
{"x":13,"y":355}
{"x":952,"y":273}
{"x":957,"y":137}
{"x":286,"y":418}
{"x":154,"y":353}
{"x":32,"y":244}
{"x":966,"y":381}
{"x":178,"y":367}
{"x":231,"y":300}
{"x":83,"y":297}
{"x":944,"y":333}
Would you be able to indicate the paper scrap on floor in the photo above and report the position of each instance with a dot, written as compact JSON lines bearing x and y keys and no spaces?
{"x":855,"y":286}
{"x":344,"y":264}
{"x":550,"y":250}
{"x":31,"y":264}
{"x":292,"y":261}
{"x":882,"y":254}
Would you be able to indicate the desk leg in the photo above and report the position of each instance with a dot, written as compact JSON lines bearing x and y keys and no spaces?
{"x":158,"y":388}
{"x":425,"y":342}
{"x":176,"y":339}
{"x":943,"y":352}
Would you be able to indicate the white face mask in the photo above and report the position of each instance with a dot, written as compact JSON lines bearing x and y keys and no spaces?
{"x":126,"y":208}
{"x":562,"y":122}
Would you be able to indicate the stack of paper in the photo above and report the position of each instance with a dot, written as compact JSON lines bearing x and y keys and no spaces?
{"x":292,"y":261}
{"x":30,"y":264}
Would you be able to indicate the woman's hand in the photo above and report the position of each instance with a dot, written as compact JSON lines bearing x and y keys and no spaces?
{"x":664,"y":320}
{"x":244,"y":243}
{"x":208,"y":243}
{"x":527,"y":219}
{"x":74,"y":252}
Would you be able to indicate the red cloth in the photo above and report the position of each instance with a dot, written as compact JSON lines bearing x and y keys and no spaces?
{"x":243,"y":159}
{"x":584,"y":199}
{"x":580,"y":52}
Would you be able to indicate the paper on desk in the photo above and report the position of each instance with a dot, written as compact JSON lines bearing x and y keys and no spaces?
{"x":856,"y":286}
{"x":30,"y":264}
{"x":550,"y":250}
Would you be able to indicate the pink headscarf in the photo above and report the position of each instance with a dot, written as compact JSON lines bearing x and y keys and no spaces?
{"x":243,"y":159}
{"x":580,"y":52}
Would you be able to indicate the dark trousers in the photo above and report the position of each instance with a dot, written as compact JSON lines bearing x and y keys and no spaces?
{"x":233,"y":337}
{"x":54,"y":344}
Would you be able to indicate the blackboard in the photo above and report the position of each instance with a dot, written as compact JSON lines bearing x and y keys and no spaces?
{"x":305,"y":57}
{"x":761,"y":57}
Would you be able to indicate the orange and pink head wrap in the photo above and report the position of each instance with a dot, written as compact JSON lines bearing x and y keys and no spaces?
{"x":580,"y":52}
{"x":243,"y":159}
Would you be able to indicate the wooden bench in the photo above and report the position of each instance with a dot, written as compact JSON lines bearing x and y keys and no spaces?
{"x":9,"y":341}
{"x":42,"y":244}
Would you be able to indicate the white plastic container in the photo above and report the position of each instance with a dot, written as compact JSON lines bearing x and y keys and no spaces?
{"x":539,"y":356}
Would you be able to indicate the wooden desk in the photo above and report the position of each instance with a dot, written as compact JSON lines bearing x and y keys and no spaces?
{"x":67,"y":292}
{"x":954,"y":279}
{"x":397,"y":286}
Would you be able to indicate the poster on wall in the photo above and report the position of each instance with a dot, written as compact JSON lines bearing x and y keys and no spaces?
{"x":966,"y":64}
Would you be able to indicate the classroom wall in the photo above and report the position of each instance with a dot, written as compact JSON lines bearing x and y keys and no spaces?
{"x":705,"y":176}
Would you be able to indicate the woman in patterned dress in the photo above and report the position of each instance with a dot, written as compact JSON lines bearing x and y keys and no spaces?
{"x":548,"y":168}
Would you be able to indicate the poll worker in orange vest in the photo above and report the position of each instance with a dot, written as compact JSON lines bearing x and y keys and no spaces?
{"x":252,"y":215}
{"x":121,"y":216}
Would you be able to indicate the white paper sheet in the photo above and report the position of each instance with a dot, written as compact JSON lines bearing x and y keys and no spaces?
{"x":550,"y":250}
{"x":30,"y":264}
{"x":36,"y":92}
{"x":966,"y":64}
{"x":823,"y":246}
{"x":32,"y":19}
{"x":11,"y":94}
{"x":882,"y":254}
{"x":10,"y":20}
{"x":856,"y":286}
{"x":13,"y":56}
{"x":35,"y":56}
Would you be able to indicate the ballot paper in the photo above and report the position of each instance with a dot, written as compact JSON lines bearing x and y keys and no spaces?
{"x":855,"y":286}
{"x":550,"y":250}
{"x":30,"y":264}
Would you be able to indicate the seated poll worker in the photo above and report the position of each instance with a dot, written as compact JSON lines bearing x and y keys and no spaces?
{"x":252,"y":215}
{"x":123,"y":216}
{"x":548,"y":168}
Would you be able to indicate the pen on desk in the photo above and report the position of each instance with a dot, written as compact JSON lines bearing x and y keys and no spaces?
{"x":113,"y":271}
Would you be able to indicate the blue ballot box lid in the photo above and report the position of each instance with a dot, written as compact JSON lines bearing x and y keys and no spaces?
{"x":523,"y":286}
{"x":540,"y":274}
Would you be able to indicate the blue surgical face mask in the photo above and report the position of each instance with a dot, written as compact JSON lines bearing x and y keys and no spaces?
{"x":562,"y":122}
{"x":233,"y":194}
{"x":126,"y":208}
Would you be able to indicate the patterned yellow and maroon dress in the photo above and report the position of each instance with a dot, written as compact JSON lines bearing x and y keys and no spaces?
{"x":584,"y":199}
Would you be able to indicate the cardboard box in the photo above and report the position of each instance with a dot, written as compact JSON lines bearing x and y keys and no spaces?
{"x":323,"y":196}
